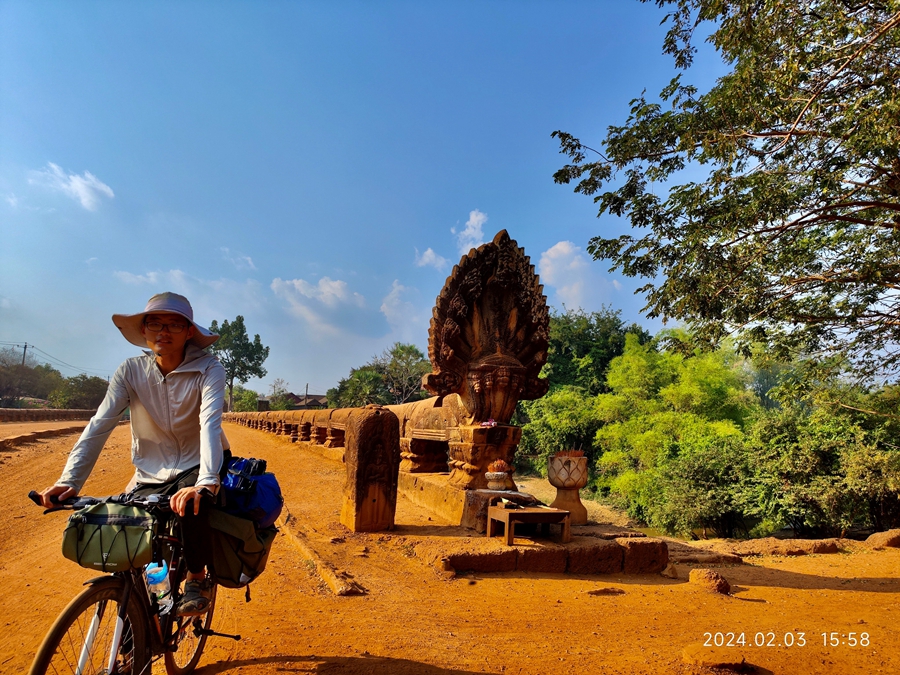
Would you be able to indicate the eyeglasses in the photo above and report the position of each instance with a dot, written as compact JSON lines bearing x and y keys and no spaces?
{"x":157,"y":326}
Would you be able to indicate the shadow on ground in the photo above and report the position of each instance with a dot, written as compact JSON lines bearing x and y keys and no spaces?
{"x":334,"y":665}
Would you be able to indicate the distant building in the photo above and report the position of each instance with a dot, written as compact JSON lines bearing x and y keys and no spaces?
{"x":310,"y":402}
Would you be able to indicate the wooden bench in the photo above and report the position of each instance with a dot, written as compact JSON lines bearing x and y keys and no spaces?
{"x":528,"y":514}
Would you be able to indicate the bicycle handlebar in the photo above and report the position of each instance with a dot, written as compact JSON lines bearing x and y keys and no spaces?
{"x":159,"y":502}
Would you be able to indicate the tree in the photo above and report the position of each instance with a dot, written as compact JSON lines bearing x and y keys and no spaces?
{"x":245,"y":400}
{"x":29,"y":379}
{"x":278,"y":399}
{"x":363,"y":386}
{"x":81,"y":392}
{"x":790,"y":238}
{"x":402,"y":368}
{"x":582,"y":345}
{"x":392,"y":378}
{"x":242,"y":358}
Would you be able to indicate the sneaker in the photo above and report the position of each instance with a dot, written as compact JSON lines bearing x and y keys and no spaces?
{"x":195,"y":599}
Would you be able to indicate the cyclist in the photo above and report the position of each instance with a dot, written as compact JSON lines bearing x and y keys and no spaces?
{"x":176,"y":392}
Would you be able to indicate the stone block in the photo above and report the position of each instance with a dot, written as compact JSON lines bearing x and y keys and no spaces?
{"x":497,"y":560}
{"x":542,"y":558}
{"x":588,"y":555}
{"x":644,"y":555}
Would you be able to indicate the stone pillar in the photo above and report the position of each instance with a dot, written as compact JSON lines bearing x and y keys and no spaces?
{"x":372,"y":458}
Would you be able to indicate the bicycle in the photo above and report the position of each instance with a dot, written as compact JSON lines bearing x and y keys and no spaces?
{"x":115,"y":626}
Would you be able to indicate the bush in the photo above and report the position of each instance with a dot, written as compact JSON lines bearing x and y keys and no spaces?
{"x":563,"y":419}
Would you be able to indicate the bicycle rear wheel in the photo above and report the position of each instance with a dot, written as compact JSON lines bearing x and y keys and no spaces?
{"x":187,"y":634}
{"x":81,"y":638}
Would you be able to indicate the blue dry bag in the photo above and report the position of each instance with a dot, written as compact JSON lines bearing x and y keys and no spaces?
{"x":251,"y":492}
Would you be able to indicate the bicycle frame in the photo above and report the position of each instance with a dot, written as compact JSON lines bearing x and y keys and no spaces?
{"x":152,"y":633}
{"x":134,"y":584}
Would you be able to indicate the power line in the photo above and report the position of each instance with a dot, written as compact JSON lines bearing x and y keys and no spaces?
{"x":56,"y":361}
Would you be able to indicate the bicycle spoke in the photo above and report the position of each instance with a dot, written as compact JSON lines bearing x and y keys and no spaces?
{"x":90,"y":638}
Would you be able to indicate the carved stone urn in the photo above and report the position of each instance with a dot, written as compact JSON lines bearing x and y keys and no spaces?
{"x":496,"y":480}
{"x":568,"y":475}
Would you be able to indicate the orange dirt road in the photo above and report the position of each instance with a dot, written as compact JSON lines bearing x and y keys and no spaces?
{"x":414,"y":621}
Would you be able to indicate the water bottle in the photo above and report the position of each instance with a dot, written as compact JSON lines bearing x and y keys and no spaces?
{"x":158,"y":585}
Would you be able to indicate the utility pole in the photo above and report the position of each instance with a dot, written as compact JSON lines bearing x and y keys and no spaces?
{"x":24,"y":352}
{"x":306,"y":396}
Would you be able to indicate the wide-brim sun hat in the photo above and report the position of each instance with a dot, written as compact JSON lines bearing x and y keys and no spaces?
{"x":162,"y":303}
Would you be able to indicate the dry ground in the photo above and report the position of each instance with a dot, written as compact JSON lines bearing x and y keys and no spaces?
{"x":413,"y":621}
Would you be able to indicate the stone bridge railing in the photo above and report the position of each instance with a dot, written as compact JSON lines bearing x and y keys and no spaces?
{"x":326,"y":427}
{"x":370,"y":438}
{"x":43,"y":415}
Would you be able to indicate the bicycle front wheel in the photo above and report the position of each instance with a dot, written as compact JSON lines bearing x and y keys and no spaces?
{"x":187,"y":636}
{"x":81,"y":639}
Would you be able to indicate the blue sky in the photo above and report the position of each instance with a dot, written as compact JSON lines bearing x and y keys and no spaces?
{"x":317,"y":167}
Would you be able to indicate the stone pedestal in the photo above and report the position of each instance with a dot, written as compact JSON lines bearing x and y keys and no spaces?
{"x":476,"y":448}
{"x":568,"y":475}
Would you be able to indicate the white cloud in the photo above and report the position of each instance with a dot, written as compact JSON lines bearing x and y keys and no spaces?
{"x":472,"y":235}
{"x":86,"y":188}
{"x":408,"y":323}
{"x":91,"y":261}
{"x":431,"y":259}
{"x":568,"y":270}
{"x":5,"y":303}
{"x":330,"y":292}
{"x":12,"y":200}
{"x":129,"y":278}
{"x":395,"y":309}
{"x":240,"y":262}
{"x":327,"y":306}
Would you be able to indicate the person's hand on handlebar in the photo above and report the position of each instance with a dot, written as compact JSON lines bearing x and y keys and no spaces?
{"x":181,"y":499}
{"x":61,"y":492}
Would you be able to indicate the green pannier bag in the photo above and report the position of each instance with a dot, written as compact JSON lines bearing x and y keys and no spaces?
{"x":109,"y":537}
{"x":240,"y":550}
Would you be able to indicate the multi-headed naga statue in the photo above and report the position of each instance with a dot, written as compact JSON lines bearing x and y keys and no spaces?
{"x":487,"y":343}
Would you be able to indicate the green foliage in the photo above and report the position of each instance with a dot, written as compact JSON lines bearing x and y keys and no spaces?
{"x":19,"y":380}
{"x":820,"y":472}
{"x":245,"y":400}
{"x":363,"y":386}
{"x":689,"y":441}
{"x":278,"y":397}
{"x":43,"y":381}
{"x":641,"y":371}
{"x":582,"y":345}
{"x":565,"y":418}
{"x":394,"y":377}
{"x":81,"y":392}
{"x":791,"y":235}
{"x":670,"y":449}
{"x":241,"y":358}
{"x":402,"y":368}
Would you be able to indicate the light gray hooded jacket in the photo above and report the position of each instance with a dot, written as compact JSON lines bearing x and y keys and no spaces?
{"x":176,"y":420}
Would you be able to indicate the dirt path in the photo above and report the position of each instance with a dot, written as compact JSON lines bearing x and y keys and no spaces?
{"x":8,"y":429}
{"x":412,"y":621}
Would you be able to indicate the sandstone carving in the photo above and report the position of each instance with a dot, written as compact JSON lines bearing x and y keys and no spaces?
{"x":487,"y":342}
{"x":373,"y":460}
{"x":489,"y":333}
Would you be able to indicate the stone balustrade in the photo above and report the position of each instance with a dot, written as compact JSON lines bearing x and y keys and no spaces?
{"x":326,"y":427}
{"x":43,"y":415}
{"x":370,"y":440}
